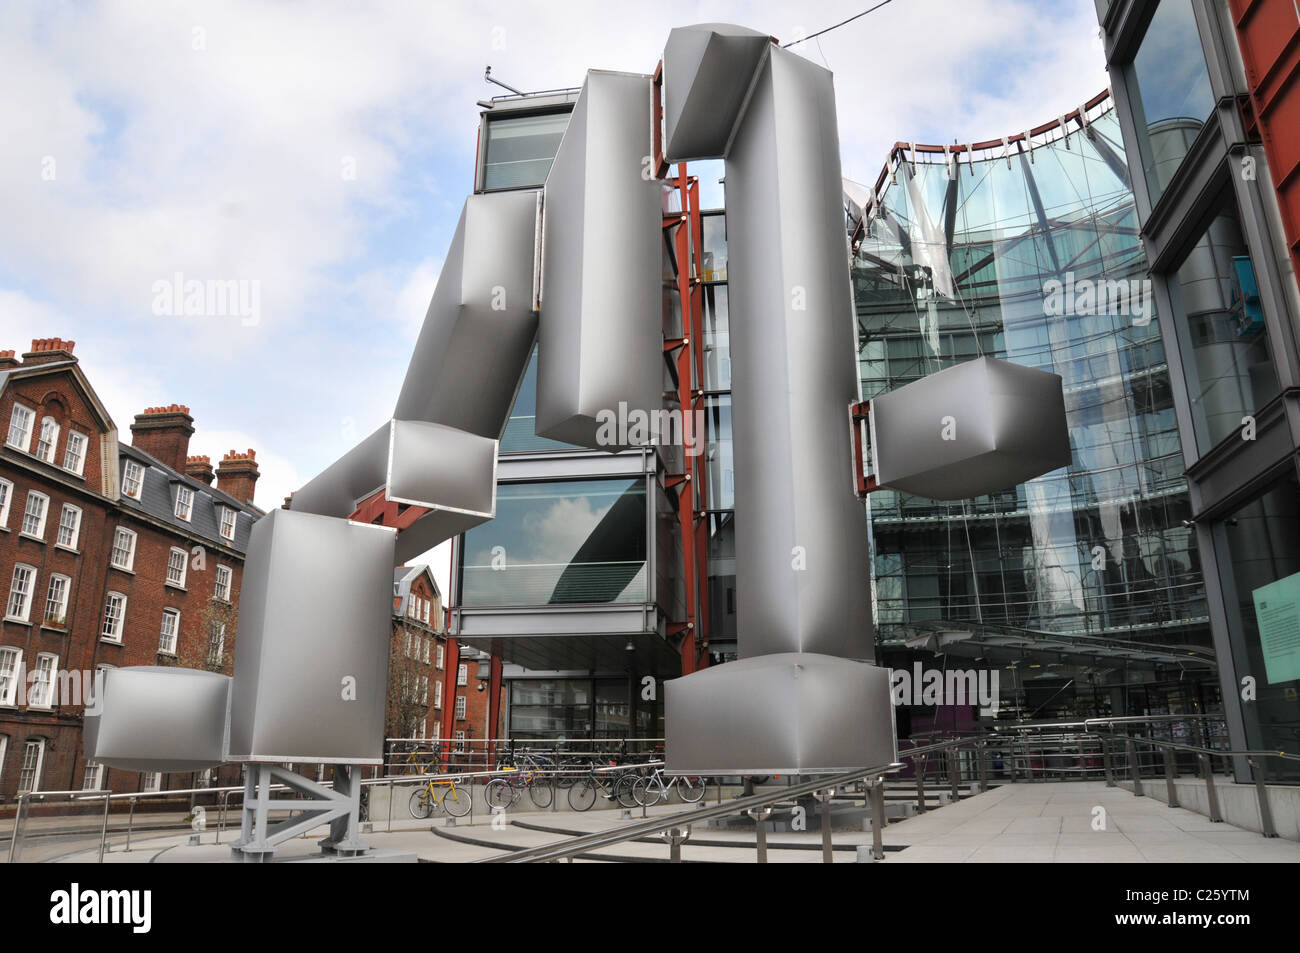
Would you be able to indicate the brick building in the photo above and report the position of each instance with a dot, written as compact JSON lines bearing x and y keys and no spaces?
{"x":110,"y":555}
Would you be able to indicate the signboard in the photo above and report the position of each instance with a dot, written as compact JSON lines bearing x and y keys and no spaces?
{"x":1277,"y":609}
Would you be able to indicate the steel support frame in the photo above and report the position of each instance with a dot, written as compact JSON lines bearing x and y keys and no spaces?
{"x":339,"y":806}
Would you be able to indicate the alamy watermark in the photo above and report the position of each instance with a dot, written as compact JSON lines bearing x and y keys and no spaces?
{"x":1126,"y":296}
{"x":659,"y":428}
{"x":932,"y":687}
{"x":214,"y":298}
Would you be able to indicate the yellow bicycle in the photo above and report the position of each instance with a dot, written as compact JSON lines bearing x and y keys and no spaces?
{"x":444,"y":794}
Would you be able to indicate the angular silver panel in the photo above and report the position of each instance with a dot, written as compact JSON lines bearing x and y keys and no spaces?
{"x":708,"y":68}
{"x":801,"y":535}
{"x":789,"y":713}
{"x":974,"y":428}
{"x":600,"y":339}
{"x":480,"y":327}
{"x":348,"y":480}
{"x":311,"y":664}
{"x":158,"y":719}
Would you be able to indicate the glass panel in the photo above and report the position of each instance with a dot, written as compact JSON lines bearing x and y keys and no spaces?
{"x":713,"y":256}
{"x":1228,"y":364}
{"x":521,"y":429}
{"x":551,"y":707}
{"x":720,"y":482}
{"x":1171,"y":92}
{"x":520,"y":151}
{"x":558,"y":544}
{"x":717,"y":339}
{"x":1263,"y":559}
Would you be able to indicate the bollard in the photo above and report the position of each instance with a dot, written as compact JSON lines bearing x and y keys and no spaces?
{"x":1261,"y":790}
{"x":103,"y":832}
{"x":130,"y":820}
{"x":1171,"y":772}
{"x":760,"y":816}
{"x":828,"y":850}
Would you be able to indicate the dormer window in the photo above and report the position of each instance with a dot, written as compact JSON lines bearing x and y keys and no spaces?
{"x":227,"y":523}
{"x":132,"y":479}
{"x":184,"y":502}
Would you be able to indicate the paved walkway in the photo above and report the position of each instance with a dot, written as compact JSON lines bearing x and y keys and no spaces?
{"x":1059,"y":822}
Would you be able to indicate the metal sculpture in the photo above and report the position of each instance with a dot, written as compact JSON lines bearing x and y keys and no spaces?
{"x":576,"y":266}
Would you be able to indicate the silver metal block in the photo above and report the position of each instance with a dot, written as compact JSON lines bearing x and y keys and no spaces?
{"x":311,"y":663}
{"x":144,"y":718}
{"x":600,"y":337}
{"x":480,"y":327}
{"x":974,"y":428}
{"x":791,"y":713}
{"x":708,"y":68}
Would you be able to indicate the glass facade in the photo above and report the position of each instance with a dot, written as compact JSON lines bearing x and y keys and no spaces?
{"x":1171,"y":92}
{"x":519,"y":150}
{"x":1034,"y":259}
{"x":1261,"y":541}
{"x":521,"y":429}
{"x":559,"y":543}
{"x":1224,"y":341}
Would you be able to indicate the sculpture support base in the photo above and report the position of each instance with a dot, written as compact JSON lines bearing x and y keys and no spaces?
{"x":788,"y":713}
{"x":339,"y":806}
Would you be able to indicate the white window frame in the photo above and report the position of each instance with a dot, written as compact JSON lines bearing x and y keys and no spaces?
{"x":73,"y":532}
{"x":441,"y":654}
{"x":28,"y":593}
{"x":43,"y":505}
{"x":462,"y":674}
{"x":47,"y":440}
{"x":44,"y":676}
{"x":35,"y":784}
{"x":6,"y":498}
{"x":437,"y":693}
{"x":425,"y":655}
{"x":462,"y":707}
{"x":136,"y":468}
{"x":24,"y":431}
{"x":174,"y":578}
{"x":93,"y":779}
{"x":77,"y":456}
{"x":150,"y":781}
{"x":437,"y":731}
{"x":113,"y":632}
{"x":228,"y":521}
{"x":13,"y":673}
{"x":122,"y":533}
{"x":424,"y":689}
{"x":460,"y":742}
{"x":169,"y":637}
{"x":225,"y":578}
{"x":62,"y":604}
{"x":4,"y":750}
{"x":184,"y":508}
{"x":216,"y":643}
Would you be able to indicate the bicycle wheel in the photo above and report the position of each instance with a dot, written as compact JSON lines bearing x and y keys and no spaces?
{"x":421,"y":804}
{"x":457,"y":801}
{"x":500,"y":795}
{"x":691,"y":790}
{"x":582,"y":795}
{"x":647,"y":791}
{"x":541,"y":792}
{"x":623,"y":790}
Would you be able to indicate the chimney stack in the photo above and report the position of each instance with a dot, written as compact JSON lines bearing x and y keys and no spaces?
{"x":47,"y":350}
{"x":164,"y":433}
{"x":238,"y":475}
{"x":7,"y":360}
{"x":200,"y":468}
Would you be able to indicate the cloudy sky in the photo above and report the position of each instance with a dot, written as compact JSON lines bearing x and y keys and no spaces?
{"x":323,"y":150}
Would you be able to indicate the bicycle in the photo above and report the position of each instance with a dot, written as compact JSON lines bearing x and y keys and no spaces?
{"x":425,"y":799}
{"x":612,"y":787}
{"x":649,"y":791}
{"x":502,"y":793}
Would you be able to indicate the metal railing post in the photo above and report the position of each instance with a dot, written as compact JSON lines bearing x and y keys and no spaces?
{"x":954,"y":774}
{"x":919,"y":769}
{"x":1261,"y":789}
{"x":1211,"y":794}
{"x":18,"y":818}
{"x":130,"y":822}
{"x":1011,"y":761}
{"x":878,"y":819}
{"x":828,"y":849}
{"x":983,"y":768}
{"x":103,"y":830}
{"x":1171,"y":772}
{"x":760,"y":816}
{"x":391,"y":792}
{"x":1105,"y":762}
{"x":1135,"y":768}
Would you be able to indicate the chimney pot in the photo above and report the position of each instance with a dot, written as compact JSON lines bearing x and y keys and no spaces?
{"x":164,"y":433}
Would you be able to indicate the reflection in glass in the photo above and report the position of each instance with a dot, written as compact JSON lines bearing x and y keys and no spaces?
{"x":713,"y":257}
{"x":1230,"y":372}
{"x":1262,"y":540}
{"x":1172,"y":97}
{"x":954,"y":268}
{"x":559,"y":543}
{"x":717,"y":453}
{"x":717,"y":339}
{"x":521,"y":429}
{"x":520,"y":150}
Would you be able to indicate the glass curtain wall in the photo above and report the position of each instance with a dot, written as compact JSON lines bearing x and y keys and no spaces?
{"x":1033,"y":257}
